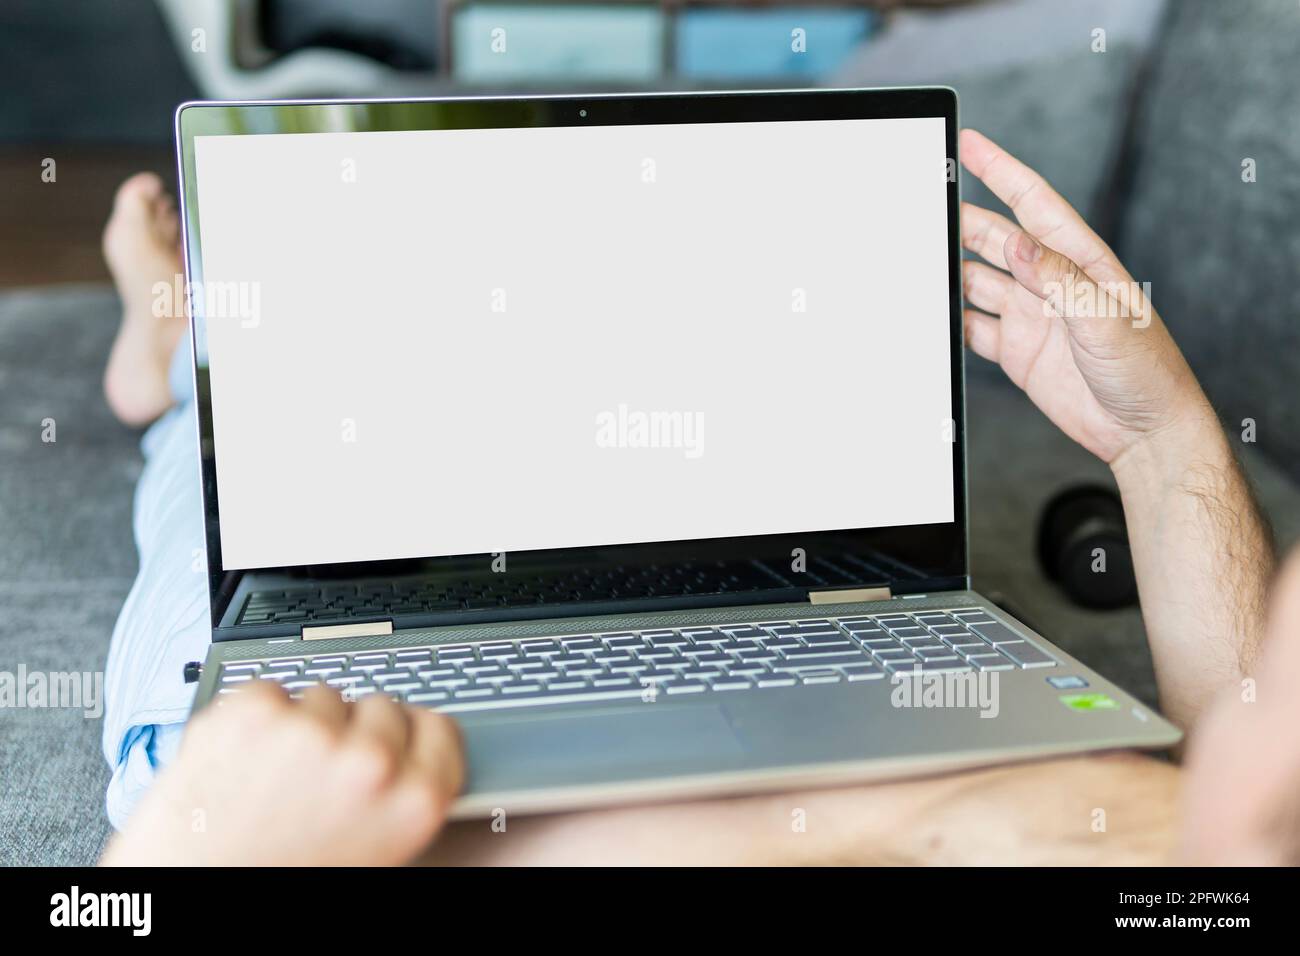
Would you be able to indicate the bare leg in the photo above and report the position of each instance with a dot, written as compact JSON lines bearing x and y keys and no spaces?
{"x":1110,"y":810}
{"x":141,"y":245}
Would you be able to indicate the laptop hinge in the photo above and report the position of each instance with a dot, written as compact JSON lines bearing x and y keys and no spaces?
{"x":366,"y":629}
{"x":849,"y":595}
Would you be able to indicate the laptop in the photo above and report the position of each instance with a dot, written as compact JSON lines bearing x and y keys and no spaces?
{"x":627,"y":429}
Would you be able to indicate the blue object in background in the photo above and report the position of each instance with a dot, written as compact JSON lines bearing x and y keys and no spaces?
{"x":716,"y":43}
{"x":558,"y":42}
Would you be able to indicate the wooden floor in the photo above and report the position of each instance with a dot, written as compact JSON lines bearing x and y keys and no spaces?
{"x":49,"y":232}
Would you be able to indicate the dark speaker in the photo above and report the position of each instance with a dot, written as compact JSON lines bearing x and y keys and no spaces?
{"x":1083,"y":547}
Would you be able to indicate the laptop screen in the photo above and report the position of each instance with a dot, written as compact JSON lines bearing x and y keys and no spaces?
{"x":463,"y":341}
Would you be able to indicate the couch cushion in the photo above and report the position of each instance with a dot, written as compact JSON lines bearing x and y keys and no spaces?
{"x":1222,"y":255}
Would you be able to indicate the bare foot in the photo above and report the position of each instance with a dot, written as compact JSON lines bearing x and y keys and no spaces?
{"x":141,"y":245}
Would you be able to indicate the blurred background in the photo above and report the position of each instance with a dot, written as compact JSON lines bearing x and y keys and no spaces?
{"x":1172,"y":125}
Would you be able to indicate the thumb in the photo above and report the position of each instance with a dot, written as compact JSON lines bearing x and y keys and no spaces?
{"x":1070,"y":293}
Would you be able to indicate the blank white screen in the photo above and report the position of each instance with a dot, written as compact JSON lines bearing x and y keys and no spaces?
{"x":441,"y":336}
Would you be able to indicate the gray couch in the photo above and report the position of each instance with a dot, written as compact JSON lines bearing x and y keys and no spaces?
{"x":1162,"y":176}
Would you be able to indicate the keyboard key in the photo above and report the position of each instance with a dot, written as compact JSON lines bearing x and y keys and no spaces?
{"x":343,"y":680}
{"x":818,"y":662}
{"x":664,"y":638}
{"x":847,"y":654}
{"x":656,"y":677}
{"x":775,"y":680}
{"x":933,"y":618}
{"x":709,"y":637}
{"x":428,"y":697}
{"x":457,"y":681}
{"x":566,"y":683}
{"x":834,"y":637}
{"x":622,"y":640}
{"x":935,"y":653}
{"x":903,"y":633}
{"x":397,"y":686}
{"x":855,"y":627}
{"x":879,"y":640}
{"x":628,"y":667}
{"x":996,"y":633}
{"x":540,"y":648}
{"x":821,"y":677}
{"x":731,"y":683}
{"x":527,"y":688}
{"x":857,"y":672}
{"x":614,"y":681}
{"x":280,"y":676}
{"x":1026,"y":655}
{"x":687,"y":687}
{"x":991,"y":662}
{"x":473,"y":693}
{"x":954,"y":665}
{"x":781,"y":643}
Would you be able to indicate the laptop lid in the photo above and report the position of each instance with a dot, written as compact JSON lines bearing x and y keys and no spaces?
{"x":695,"y":348}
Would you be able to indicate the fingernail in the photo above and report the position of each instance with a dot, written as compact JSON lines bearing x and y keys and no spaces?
{"x":1027,"y":250}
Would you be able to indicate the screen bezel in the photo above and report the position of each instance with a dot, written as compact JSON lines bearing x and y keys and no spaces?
{"x":914,"y":558}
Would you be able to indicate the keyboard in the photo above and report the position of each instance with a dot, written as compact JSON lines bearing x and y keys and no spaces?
{"x":387,"y":598}
{"x":670,"y":661}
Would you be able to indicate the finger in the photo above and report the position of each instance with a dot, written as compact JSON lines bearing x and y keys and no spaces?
{"x":436,"y":750}
{"x":1040,"y":209}
{"x":985,"y":232}
{"x":984,"y":335}
{"x":245,"y":711}
{"x":379,"y":720}
{"x":986,"y":288}
{"x":1086,"y":308}
{"x":324,"y":705}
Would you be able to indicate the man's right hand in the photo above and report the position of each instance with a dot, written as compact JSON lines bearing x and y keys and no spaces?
{"x":263,"y":780}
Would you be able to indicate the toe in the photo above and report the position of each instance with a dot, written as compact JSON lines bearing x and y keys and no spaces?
{"x":137,"y":193}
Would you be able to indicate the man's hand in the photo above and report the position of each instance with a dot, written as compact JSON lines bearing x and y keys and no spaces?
{"x":1069,"y":326}
{"x":1073,"y":329}
{"x":262,"y":780}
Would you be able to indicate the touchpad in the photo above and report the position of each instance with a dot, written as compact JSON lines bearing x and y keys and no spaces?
{"x":517,"y":751}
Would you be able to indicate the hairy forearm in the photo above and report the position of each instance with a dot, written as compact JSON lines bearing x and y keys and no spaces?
{"x":1203,"y":555}
{"x":1115,"y":810}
